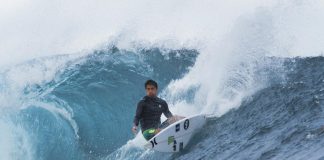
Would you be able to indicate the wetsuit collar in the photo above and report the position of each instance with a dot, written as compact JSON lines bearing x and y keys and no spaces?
{"x":150,"y":98}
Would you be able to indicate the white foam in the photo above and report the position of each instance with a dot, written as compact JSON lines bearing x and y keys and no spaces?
{"x":14,"y":142}
{"x":224,"y":73}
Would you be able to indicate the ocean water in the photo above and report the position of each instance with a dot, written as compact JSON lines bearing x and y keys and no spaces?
{"x":70,"y":91}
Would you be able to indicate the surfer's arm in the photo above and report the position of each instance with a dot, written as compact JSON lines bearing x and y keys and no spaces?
{"x":166,"y":110}
{"x":138,"y":113}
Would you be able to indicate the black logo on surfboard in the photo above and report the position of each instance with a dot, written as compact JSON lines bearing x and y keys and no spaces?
{"x":174,"y":145}
{"x":177,"y":127}
{"x":153,"y":142}
{"x":186,"y":124}
{"x":181,"y":146}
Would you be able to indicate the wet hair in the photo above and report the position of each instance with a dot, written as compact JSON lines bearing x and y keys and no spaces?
{"x":151,"y":82}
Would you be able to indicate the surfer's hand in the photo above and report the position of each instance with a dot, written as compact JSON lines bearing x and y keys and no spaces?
{"x":157,"y":130}
{"x":134,"y":129}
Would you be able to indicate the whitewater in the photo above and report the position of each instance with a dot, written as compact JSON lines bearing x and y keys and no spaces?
{"x":72,"y":72}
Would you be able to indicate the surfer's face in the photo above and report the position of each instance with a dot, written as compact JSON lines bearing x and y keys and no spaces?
{"x":151,"y":90}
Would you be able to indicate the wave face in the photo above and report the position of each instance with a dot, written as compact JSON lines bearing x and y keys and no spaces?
{"x":281,"y":121}
{"x":86,"y":110}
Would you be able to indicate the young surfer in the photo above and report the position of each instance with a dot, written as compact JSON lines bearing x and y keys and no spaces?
{"x":149,"y":111}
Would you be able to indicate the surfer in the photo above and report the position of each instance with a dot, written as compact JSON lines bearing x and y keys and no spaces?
{"x":149,"y":111}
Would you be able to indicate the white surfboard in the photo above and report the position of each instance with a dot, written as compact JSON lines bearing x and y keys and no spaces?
{"x":176,"y":136}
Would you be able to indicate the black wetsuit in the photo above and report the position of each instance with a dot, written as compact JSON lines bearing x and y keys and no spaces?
{"x":149,"y":111}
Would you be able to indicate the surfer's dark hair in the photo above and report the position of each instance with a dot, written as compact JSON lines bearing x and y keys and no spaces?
{"x":151,"y":82}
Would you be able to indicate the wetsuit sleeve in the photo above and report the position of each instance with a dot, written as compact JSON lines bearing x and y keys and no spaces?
{"x":166,"y":110}
{"x":138,"y":113}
